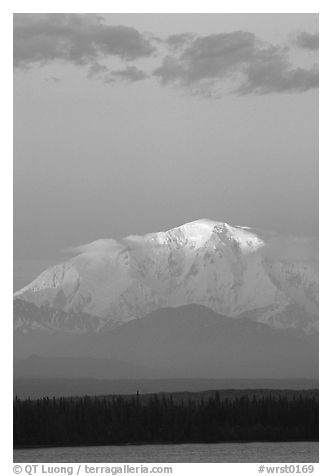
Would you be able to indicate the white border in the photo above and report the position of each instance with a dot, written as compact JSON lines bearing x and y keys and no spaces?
{"x":179,"y":6}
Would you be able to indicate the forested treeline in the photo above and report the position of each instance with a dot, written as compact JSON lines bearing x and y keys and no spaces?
{"x":109,"y":421}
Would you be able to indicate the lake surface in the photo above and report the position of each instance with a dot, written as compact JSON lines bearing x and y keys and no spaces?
{"x":295,"y":452}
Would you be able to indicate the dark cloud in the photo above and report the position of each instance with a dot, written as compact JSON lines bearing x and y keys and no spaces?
{"x":216,"y":55}
{"x":201,"y":64}
{"x":307,"y":41}
{"x":179,"y":40}
{"x":254,"y":66}
{"x":129,"y":74}
{"x":76,"y":38}
{"x":213,"y":56}
{"x":52,"y":79}
{"x":274,"y":74}
{"x":97,"y":70}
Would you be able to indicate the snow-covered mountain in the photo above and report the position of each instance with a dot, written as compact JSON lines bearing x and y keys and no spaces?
{"x":235,"y":271}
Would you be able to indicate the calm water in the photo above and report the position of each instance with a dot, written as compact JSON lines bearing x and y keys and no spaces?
{"x":298,"y":452}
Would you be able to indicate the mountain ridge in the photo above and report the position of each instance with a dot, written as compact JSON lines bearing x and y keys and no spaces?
{"x":187,"y":341}
{"x":234,"y":271}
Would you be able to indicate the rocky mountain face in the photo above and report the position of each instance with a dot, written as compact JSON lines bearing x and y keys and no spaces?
{"x":235,"y":271}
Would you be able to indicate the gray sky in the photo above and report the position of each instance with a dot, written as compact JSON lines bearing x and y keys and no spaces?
{"x":130,"y":125}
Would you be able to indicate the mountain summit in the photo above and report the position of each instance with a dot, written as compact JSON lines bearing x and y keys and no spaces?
{"x":235,"y":271}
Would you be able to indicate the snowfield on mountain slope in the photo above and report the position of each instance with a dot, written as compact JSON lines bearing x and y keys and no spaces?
{"x":235,"y":271}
